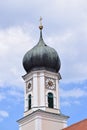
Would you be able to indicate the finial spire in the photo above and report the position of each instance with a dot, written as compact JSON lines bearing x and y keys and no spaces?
{"x":41,"y":26}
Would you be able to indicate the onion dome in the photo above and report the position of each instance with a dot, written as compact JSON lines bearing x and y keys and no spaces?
{"x":41,"y":57}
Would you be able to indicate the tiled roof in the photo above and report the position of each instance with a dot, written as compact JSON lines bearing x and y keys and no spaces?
{"x":82,"y":125}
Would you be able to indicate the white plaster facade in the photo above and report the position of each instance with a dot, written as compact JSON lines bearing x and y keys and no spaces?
{"x":40,"y":116}
{"x":39,"y":91}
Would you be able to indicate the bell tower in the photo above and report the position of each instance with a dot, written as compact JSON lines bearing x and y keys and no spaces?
{"x":41,"y":91}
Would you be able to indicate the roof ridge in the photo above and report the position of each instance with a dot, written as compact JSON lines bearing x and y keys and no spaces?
{"x":75,"y":124}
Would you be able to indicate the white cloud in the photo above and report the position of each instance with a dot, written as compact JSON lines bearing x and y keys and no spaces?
{"x":2,"y":97}
{"x":67,"y":27}
{"x":77,"y":102}
{"x":14,"y":42}
{"x":69,"y":103}
{"x":16,"y":95}
{"x":73,"y":93}
{"x":62,"y":13}
{"x":3,"y":114}
{"x":71,"y":46}
{"x":65,"y":103}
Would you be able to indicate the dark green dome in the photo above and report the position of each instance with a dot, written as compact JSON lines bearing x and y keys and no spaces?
{"x":41,"y":57}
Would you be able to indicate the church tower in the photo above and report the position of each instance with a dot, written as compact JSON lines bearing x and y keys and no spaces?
{"x":41,"y":91}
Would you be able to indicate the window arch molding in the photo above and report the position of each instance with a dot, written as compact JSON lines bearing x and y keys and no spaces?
{"x":54,"y":98}
{"x":50,"y":91}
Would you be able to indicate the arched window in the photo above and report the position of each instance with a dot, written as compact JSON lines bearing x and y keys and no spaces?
{"x":50,"y":100}
{"x":29,"y":102}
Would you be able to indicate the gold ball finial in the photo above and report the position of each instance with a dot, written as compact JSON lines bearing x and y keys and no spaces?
{"x":41,"y":26}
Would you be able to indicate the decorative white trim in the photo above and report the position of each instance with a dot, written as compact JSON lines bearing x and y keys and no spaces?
{"x":57,"y":95}
{"x":28,"y":76}
{"x":35,"y":90}
{"x":38,"y":123}
{"x":42,"y":91}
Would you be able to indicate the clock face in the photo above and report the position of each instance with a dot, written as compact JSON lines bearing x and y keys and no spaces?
{"x":29,"y":86}
{"x":50,"y":83}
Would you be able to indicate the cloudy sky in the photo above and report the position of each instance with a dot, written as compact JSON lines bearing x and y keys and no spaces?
{"x":65,"y":29}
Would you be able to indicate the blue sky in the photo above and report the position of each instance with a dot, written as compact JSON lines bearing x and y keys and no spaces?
{"x":65,"y":29}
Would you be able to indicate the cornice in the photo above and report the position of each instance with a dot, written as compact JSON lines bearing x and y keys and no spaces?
{"x":42,"y":114}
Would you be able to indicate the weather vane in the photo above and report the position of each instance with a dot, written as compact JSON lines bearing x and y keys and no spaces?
{"x":41,"y":26}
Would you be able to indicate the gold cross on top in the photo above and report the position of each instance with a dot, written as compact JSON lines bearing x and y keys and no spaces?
{"x":41,"y":26}
{"x":40,"y":21}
